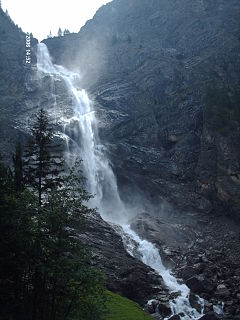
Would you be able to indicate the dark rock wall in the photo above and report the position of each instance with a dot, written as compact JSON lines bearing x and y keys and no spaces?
{"x":13,"y":77}
{"x":147,"y":65}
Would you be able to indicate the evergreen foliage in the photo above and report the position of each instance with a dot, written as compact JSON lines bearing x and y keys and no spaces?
{"x":66,"y":31}
{"x":45,"y":269}
{"x":60,"y":33}
{"x":42,"y":170}
{"x":18,"y":167}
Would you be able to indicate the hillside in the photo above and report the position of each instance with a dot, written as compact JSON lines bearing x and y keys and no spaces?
{"x":165,"y":79}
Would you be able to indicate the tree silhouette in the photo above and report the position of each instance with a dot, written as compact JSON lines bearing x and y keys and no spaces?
{"x":43,"y":168}
{"x":60,"y":33}
{"x":66,"y":31}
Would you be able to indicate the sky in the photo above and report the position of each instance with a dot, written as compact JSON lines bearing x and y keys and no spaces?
{"x":42,"y":16}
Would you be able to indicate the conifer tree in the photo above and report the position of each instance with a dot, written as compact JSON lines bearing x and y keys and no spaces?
{"x":66,"y":31}
{"x":45,"y":269}
{"x":42,"y":170}
{"x":18,"y":167}
{"x":50,"y":35}
{"x":60,"y":33}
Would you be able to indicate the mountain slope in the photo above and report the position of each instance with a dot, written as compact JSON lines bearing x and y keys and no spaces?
{"x":13,"y":75}
{"x":149,"y":65}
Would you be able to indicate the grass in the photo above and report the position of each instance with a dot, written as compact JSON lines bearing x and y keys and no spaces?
{"x":120,"y":308}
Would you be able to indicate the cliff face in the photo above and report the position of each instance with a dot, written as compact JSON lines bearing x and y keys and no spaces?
{"x":164,"y":76}
{"x":13,"y":75}
{"x":157,"y":71}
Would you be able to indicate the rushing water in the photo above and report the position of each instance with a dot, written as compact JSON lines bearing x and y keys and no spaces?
{"x":150,"y":256}
{"x":101,"y":181}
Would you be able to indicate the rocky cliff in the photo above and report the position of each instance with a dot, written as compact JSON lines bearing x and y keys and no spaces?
{"x":164,"y":76}
{"x":13,"y":75}
{"x":164,"y":79}
{"x":125,"y":275}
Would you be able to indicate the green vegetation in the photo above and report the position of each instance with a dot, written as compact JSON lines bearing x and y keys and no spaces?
{"x":45,"y":270}
{"x":120,"y":308}
{"x":222,"y":109}
{"x":43,"y":169}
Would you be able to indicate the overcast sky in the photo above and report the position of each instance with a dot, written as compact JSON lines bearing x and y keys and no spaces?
{"x":42,"y":16}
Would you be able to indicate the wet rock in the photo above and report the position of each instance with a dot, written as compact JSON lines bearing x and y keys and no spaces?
{"x":194,"y":302}
{"x":175,"y":317}
{"x":210,"y":316}
{"x":222,"y":291}
{"x":163,"y":297}
{"x":198,"y":284}
{"x":174,"y":295}
{"x":151,"y":306}
{"x":164,"y":309}
{"x":158,"y":317}
{"x":125,"y":274}
{"x":208,"y":306}
{"x":187,"y":272}
{"x":199,"y":267}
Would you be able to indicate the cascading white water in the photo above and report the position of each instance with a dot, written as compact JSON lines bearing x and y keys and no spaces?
{"x":102,"y":182}
{"x":149,"y":255}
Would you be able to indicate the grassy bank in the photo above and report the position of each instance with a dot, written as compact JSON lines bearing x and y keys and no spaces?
{"x":120,"y":308}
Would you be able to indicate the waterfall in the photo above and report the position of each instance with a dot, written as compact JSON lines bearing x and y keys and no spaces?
{"x":101,"y":180}
{"x":149,"y":255}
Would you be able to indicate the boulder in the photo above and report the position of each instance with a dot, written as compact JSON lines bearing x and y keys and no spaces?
{"x":164,"y":309}
{"x":187,"y":272}
{"x":222,"y":291}
{"x":175,"y":317}
{"x":194,"y":302}
{"x":208,"y":306}
{"x":150,"y":307}
{"x":210,"y":316}
{"x":199,"y":284}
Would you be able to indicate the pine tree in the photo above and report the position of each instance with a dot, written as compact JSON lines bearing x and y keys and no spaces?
{"x":73,"y":286}
{"x":66,"y":31}
{"x":45,"y":269}
{"x":16,"y":212}
{"x":5,"y":179}
{"x":42,"y":170}
{"x":60,"y":33}
{"x":18,"y":167}
{"x":50,"y":35}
